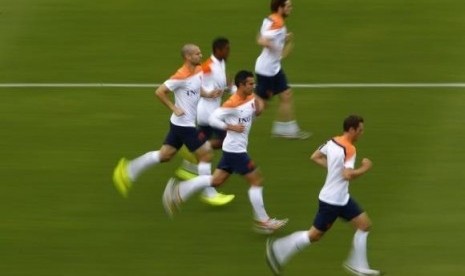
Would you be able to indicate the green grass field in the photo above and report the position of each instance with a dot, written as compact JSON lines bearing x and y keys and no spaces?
{"x":60,"y":214}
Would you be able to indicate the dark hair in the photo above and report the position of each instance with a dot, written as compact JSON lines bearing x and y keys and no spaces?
{"x":353,"y":121}
{"x":276,"y":4}
{"x":242,"y":76}
{"x":219,"y":43}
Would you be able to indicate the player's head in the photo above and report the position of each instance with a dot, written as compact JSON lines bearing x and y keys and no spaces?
{"x":282,"y":7}
{"x":191,"y":53}
{"x":220,"y":48}
{"x":353,"y":126}
{"x":244,"y":80}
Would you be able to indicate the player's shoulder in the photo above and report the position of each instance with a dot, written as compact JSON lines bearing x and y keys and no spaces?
{"x":349,"y":148}
{"x":207,"y":65}
{"x":236,"y":101}
{"x":184,"y":73}
{"x":340,"y":140}
{"x":277,"y":21}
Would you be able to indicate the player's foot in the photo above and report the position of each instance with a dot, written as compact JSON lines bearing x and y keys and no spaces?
{"x":171,"y":200}
{"x":121,"y":179}
{"x":184,"y":174}
{"x":302,"y":135}
{"x":269,"y":226}
{"x":217,"y":200}
{"x":361,"y":271}
{"x":271,"y":258}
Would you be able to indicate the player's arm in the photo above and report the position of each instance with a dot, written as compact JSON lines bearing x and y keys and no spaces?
{"x":215,"y":93}
{"x":162,"y":94}
{"x":350,"y":174}
{"x":288,"y":45}
{"x":319,"y":158}
{"x":259,"y":106}
{"x":217,"y":120}
{"x":266,"y":42}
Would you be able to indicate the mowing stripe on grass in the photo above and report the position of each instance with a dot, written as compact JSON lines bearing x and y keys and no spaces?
{"x":294,"y":85}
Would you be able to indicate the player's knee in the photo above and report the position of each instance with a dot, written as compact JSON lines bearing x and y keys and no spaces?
{"x":256,"y":180}
{"x":216,"y":182}
{"x":166,"y":154}
{"x":218,"y":179}
{"x":315,"y":235}
{"x":205,"y":156}
{"x":286,"y":96}
{"x":216,"y":143}
{"x":364,"y":225}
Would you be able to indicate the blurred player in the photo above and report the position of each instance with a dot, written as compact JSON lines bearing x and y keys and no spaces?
{"x":235,"y":116}
{"x":214,"y":78}
{"x":338,"y":157}
{"x":186,"y":86}
{"x":271,"y":80}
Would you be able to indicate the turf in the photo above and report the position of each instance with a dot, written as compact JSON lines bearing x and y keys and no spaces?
{"x":61,"y":216}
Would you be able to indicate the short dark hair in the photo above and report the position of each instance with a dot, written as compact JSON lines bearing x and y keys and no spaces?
{"x":353,"y":121}
{"x":242,"y":76}
{"x":219,"y":43}
{"x":276,"y":4}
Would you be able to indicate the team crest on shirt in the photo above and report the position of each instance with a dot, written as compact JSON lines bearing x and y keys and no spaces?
{"x":245,"y":119}
{"x":191,"y":93}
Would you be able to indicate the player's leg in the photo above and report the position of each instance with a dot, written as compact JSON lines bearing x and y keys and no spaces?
{"x":189,"y":166}
{"x":280,"y":251}
{"x":357,"y":261}
{"x":176,"y":193}
{"x":204,"y":153}
{"x":127,"y":171}
{"x":263,"y":224}
{"x":285,"y":125}
{"x":210,"y":195}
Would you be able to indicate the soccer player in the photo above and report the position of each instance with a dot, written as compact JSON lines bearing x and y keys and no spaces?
{"x":338,"y":157}
{"x":186,"y":86}
{"x":235,"y":116}
{"x":271,"y":79}
{"x":214,"y":78}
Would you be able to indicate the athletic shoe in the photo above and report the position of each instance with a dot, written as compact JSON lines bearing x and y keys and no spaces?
{"x":171,"y":200}
{"x":361,"y":271}
{"x":217,"y":200}
{"x":271,"y":258}
{"x":184,"y":174}
{"x":121,"y":179}
{"x":270,"y":226}
{"x":302,"y":135}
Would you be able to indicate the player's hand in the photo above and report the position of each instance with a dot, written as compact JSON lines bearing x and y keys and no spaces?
{"x":216,"y":93}
{"x":289,"y":37}
{"x":237,"y":128}
{"x":178,"y":111}
{"x":366,"y":163}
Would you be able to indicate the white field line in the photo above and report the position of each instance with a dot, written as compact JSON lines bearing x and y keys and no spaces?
{"x":293,"y":85}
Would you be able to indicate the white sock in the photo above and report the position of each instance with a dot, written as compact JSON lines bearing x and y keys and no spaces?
{"x":285,"y":128}
{"x":141,"y":163}
{"x":190,"y":187}
{"x":279,"y":128}
{"x":190,"y":167}
{"x":209,"y":192}
{"x":293,"y":127}
{"x":256,"y":199}
{"x":286,"y":247}
{"x":358,"y":253}
{"x":205,"y":168}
